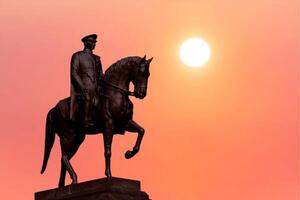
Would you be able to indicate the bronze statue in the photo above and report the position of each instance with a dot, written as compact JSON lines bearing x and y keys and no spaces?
{"x":110,"y":112}
{"x":86,"y":71}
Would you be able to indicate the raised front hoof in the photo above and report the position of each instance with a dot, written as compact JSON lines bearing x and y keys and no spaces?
{"x":130,"y":154}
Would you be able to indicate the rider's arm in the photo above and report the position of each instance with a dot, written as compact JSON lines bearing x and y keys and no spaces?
{"x":75,"y":78}
{"x":100,"y":67}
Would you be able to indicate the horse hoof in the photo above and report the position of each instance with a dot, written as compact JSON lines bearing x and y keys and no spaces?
{"x":108,"y":174}
{"x":129,"y":154}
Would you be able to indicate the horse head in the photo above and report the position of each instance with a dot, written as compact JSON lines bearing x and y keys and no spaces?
{"x":140,"y":76}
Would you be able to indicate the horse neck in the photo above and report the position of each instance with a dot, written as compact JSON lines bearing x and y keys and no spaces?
{"x":121,"y":76}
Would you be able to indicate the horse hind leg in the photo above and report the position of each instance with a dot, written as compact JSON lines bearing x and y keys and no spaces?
{"x":68,"y":148}
{"x":132,"y":126}
{"x":66,"y":161}
{"x":62,"y":177}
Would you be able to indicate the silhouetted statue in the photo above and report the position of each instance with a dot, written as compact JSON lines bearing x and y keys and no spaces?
{"x":111,"y":113}
{"x":86,"y":72}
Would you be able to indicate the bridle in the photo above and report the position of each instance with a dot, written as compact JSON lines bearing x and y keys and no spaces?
{"x":122,"y":90}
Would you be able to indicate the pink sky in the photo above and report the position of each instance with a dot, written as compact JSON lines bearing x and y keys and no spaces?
{"x":234,"y":122}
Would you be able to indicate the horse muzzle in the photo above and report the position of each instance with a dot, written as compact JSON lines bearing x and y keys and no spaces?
{"x":140,"y":92}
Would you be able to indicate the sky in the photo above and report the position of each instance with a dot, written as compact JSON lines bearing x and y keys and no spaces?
{"x":226,"y":131}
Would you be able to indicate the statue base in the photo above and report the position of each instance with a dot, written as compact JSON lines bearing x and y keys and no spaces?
{"x":99,"y":189}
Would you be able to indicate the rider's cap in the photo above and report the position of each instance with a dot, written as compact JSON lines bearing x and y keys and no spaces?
{"x":91,"y":37}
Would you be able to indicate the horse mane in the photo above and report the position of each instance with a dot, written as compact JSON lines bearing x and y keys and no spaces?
{"x":121,"y":64}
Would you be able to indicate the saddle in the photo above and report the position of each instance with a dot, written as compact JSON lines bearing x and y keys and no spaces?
{"x":64,"y":106}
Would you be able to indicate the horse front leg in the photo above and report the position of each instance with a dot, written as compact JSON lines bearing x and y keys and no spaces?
{"x":132,"y":126}
{"x":108,"y":137}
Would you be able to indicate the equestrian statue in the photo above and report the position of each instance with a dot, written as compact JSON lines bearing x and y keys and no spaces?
{"x":99,"y":103}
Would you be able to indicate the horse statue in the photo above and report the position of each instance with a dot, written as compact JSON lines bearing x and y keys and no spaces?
{"x":112,"y":114}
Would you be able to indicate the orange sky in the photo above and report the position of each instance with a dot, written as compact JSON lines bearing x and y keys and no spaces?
{"x":234,"y":122}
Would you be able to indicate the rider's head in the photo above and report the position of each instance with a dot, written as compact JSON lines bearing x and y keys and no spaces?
{"x":89,"y":41}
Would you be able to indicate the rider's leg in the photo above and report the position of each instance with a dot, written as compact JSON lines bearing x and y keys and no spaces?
{"x":86,"y":110}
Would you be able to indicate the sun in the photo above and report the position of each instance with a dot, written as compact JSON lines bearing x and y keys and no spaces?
{"x":194,"y":52}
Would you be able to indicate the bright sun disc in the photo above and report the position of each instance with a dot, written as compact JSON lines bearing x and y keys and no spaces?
{"x":194,"y":52}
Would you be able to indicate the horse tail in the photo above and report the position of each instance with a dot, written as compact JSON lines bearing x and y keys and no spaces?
{"x":49,"y":139}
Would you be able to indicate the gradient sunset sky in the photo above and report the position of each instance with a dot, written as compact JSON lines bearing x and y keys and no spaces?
{"x":226,"y":131}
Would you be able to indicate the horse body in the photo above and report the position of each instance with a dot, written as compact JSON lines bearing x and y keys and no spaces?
{"x":112,"y":114}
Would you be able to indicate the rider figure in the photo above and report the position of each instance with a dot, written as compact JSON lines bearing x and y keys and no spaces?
{"x":86,"y":72}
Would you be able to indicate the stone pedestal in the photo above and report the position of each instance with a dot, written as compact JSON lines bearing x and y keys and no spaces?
{"x":100,"y":189}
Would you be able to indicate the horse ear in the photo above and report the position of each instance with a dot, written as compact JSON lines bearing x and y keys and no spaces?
{"x":149,"y":60}
{"x":143,"y":59}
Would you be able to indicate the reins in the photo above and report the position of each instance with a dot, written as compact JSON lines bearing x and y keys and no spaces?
{"x":126,"y":92}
